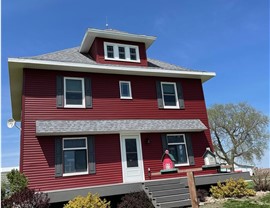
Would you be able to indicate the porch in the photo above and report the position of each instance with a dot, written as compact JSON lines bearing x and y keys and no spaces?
{"x":171,"y":192}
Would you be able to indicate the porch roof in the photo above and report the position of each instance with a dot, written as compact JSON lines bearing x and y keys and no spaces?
{"x":86,"y":127}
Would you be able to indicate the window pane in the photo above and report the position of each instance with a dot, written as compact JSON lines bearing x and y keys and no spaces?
{"x":75,"y":161}
{"x":110,"y":53}
{"x":169,"y":100}
{"x":131,"y":152}
{"x":168,"y":89}
{"x":69,"y":161}
{"x":74,"y":143}
{"x":73,"y":85}
{"x":132,"y":160}
{"x":80,"y":161}
{"x":182,"y":157}
{"x":179,"y":153}
{"x":131,"y":145}
{"x":74,"y":98}
{"x":175,"y":139}
{"x":125,"y":91}
{"x":121,"y":52}
{"x":133,"y":55}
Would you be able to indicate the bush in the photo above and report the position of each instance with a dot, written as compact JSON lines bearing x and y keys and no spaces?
{"x":16,"y":181}
{"x":261,"y":179}
{"x":135,"y":200}
{"x":4,"y":190}
{"x":232,"y":188}
{"x":90,"y":201}
{"x":26,"y":198}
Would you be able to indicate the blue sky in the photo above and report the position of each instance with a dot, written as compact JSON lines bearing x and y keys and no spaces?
{"x":230,"y":38}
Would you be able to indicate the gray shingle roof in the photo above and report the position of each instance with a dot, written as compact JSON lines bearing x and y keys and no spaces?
{"x":86,"y":127}
{"x":72,"y":55}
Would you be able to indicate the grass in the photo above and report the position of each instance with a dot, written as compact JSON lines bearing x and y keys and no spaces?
{"x":261,"y":202}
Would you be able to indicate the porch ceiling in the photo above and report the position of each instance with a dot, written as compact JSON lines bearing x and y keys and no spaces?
{"x":86,"y":127}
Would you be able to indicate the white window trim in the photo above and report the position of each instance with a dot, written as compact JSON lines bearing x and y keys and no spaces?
{"x":76,"y":148}
{"x":176,"y":96}
{"x":83,"y":93}
{"x":116,"y":52}
{"x":125,"y":97}
{"x":182,"y":164}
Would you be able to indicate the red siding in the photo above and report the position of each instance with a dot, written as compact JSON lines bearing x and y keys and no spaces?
{"x":40,"y":168}
{"x":97,"y":52}
{"x":152,"y":154}
{"x":39,"y":103}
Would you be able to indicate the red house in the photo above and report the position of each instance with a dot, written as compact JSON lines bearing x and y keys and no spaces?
{"x":98,"y":118}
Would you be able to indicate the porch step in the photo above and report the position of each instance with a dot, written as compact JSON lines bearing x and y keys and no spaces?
{"x":167,"y":193}
{"x":182,"y":203}
{"x":170,"y":192}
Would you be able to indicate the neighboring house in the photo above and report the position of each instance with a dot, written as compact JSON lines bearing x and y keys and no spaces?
{"x":99,"y":117}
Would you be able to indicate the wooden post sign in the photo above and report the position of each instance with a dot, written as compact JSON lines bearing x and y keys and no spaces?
{"x":192,"y":190}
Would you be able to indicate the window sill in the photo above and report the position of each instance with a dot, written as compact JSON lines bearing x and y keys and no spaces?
{"x":126,"y":98}
{"x":73,"y":106}
{"x":75,"y":174}
{"x":123,"y":60}
{"x":179,"y":165}
{"x":171,"y":107}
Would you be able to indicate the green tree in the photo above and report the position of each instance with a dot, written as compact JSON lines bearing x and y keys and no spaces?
{"x":239,"y":132}
{"x":16,"y":181}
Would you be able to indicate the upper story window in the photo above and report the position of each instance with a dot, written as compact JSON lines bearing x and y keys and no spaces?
{"x":125,"y":90}
{"x":178,"y":148}
{"x":121,"y":52}
{"x":74,"y":92}
{"x":74,"y":156}
{"x":169,"y":95}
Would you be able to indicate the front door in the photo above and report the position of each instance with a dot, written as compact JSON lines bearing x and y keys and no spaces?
{"x":131,"y":155}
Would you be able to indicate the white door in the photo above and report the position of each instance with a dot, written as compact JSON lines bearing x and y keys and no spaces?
{"x":131,"y":155}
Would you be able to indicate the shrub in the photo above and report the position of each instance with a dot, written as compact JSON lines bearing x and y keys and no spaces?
{"x":232,"y":188}
{"x":4,"y":190}
{"x":16,"y":181}
{"x":26,"y":198}
{"x":261,"y":179}
{"x":90,"y":201}
{"x":135,"y":200}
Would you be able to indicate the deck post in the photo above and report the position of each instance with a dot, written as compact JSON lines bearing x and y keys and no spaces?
{"x":192,"y":190}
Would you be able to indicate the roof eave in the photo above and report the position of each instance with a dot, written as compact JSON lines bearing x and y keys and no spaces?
{"x":91,"y":34}
{"x":16,"y":66}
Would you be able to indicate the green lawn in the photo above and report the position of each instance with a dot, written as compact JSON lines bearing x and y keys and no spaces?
{"x":261,"y":202}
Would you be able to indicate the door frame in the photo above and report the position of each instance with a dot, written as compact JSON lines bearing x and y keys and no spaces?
{"x":124,"y":136}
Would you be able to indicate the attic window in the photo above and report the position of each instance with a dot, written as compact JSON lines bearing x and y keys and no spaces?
{"x":121,"y":52}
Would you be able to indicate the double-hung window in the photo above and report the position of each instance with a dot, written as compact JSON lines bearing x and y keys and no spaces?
{"x":177,"y":146}
{"x":169,"y":95}
{"x":74,"y":92}
{"x":125,"y":90}
{"x":75,"y":156}
{"x":121,"y":52}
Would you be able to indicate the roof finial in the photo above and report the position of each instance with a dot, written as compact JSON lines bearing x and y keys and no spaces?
{"x":107,"y":25}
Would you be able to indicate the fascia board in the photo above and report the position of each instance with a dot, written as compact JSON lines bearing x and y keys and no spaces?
{"x":91,"y":34}
{"x":16,"y":66}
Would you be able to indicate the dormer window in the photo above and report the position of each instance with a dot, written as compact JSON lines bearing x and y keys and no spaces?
{"x":110,"y":52}
{"x":121,"y":52}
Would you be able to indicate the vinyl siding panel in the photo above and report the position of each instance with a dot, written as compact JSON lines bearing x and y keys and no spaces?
{"x":39,"y":103}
